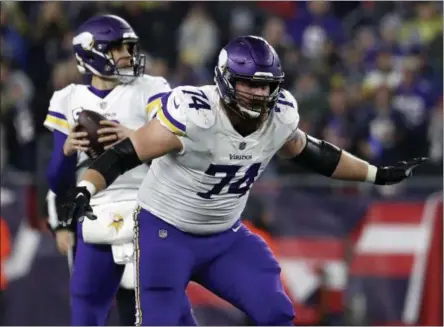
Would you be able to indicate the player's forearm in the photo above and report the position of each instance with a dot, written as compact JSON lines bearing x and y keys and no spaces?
{"x":109,"y":166}
{"x":327,"y":159}
{"x":93,"y":180}
{"x":61,"y":172}
{"x":351,"y":168}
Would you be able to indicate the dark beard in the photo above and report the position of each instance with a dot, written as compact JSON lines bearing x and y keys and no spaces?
{"x":242,"y":124}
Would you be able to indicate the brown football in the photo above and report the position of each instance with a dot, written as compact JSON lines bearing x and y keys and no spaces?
{"x":89,"y":121}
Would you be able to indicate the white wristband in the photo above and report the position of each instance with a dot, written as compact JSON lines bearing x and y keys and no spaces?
{"x":89,"y":186}
{"x":371,"y":174}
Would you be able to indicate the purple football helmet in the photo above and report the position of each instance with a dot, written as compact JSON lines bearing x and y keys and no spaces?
{"x":252,"y":60}
{"x":93,"y":42}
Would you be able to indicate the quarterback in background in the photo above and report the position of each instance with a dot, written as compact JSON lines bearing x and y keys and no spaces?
{"x":209,"y":145}
{"x":107,"y":48}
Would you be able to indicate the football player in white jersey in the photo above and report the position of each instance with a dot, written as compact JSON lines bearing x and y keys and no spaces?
{"x":107,"y":48}
{"x":208,"y":145}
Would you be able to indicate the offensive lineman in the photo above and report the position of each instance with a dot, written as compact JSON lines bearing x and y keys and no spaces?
{"x":211,"y":143}
{"x":106,"y":47}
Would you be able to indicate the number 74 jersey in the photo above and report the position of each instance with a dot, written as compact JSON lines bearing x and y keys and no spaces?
{"x":204,"y":188}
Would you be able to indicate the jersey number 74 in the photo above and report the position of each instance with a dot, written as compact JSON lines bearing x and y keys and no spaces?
{"x":240,"y":186}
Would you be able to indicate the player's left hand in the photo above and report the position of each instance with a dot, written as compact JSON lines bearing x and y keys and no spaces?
{"x":112,"y":132}
{"x":397,"y":173}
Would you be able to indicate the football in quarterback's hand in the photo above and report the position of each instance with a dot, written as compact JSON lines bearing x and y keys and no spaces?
{"x":89,"y":121}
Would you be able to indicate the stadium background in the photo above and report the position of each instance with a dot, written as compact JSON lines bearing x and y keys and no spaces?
{"x":368,"y":76}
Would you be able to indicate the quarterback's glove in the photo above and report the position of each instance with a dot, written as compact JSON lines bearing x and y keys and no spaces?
{"x":397,"y":173}
{"x":77,"y":205}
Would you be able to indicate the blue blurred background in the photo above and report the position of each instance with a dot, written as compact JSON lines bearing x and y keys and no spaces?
{"x":368,"y":77}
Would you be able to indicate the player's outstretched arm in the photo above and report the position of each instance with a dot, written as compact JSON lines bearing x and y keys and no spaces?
{"x":328,"y":160}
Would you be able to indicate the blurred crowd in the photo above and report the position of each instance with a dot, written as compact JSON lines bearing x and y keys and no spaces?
{"x":368,"y":76}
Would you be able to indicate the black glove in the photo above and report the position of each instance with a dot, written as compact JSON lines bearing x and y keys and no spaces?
{"x":76,"y":206}
{"x":397,"y":173}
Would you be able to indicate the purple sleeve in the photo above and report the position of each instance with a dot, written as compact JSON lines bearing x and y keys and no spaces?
{"x":61,"y":169}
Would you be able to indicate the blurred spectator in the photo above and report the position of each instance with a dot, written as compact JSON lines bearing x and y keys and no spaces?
{"x":12,"y":28}
{"x":389,"y":30}
{"x":354,"y":96}
{"x":5,"y":251}
{"x":337,"y":124}
{"x":16,"y":92}
{"x":15,"y":85}
{"x":315,"y":27}
{"x":417,"y":57}
{"x":3,"y":152}
{"x":435,"y":133}
{"x":48,"y":45}
{"x":50,"y":29}
{"x":383,"y":75}
{"x":80,"y":11}
{"x":414,"y":100}
{"x":381,"y":131}
{"x":186,"y":74}
{"x":435,"y":52}
{"x":241,"y":22}
{"x":158,"y":67}
{"x":162,"y":24}
{"x":198,"y":38}
{"x":361,"y":52}
{"x":310,"y":96}
{"x":64,"y":73}
{"x":426,"y":24}
{"x":275,"y":33}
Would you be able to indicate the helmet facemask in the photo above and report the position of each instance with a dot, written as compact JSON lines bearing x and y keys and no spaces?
{"x":245,"y":104}
{"x":136,"y":66}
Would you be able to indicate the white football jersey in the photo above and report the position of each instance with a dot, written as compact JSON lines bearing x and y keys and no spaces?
{"x":204,"y":188}
{"x":126,"y":104}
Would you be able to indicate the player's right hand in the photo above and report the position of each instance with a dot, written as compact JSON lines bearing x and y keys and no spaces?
{"x":76,"y":141}
{"x":64,"y":240}
{"x":77,"y":205}
{"x":112,"y":133}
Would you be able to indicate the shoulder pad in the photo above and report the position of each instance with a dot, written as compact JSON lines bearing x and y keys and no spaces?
{"x":152,"y":82}
{"x":61,"y":96}
{"x":153,"y":87}
{"x":184,"y":107}
{"x":286,"y":109}
{"x":57,"y":111}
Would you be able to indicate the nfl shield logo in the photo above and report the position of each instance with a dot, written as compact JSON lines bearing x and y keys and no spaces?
{"x":242,"y":145}
{"x":163,"y":233}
